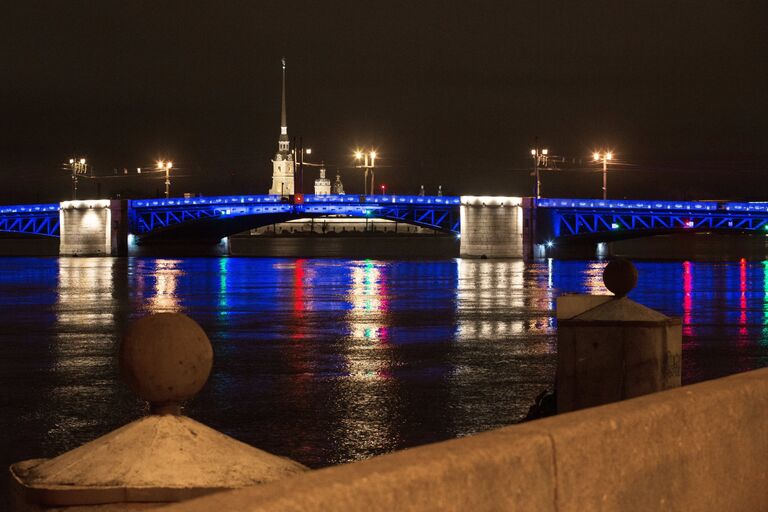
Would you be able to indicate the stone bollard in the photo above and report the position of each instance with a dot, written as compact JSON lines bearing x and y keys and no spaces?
{"x":164,"y":457}
{"x":610,"y":348}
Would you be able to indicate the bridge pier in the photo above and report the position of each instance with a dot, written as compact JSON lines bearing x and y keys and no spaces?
{"x":93,"y":227}
{"x":492,"y":227}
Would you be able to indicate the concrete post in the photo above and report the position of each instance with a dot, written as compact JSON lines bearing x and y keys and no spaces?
{"x":164,"y":457}
{"x":612,"y":348}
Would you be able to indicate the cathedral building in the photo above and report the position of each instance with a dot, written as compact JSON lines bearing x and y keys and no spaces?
{"x":283,"y":163}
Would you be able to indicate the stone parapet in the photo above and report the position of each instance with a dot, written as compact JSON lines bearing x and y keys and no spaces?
{"x":700,"y":447}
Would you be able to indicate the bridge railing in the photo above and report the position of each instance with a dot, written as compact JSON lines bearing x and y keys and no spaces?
{"x":613,"y":204}
{"x":308,"y":198}
{"x":29,"y":208}
{"x":747,"y":207}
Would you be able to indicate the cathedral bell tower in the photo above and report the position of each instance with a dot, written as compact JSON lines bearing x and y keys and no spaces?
{"x":283,"y":164}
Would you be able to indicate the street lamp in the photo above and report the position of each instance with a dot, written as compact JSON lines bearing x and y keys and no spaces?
{"x":77,"y":166}
{"x":298,"y":174}
{"x":167,"y":166}
{"x":605,"y":156}
{"x":367,"y":161}
{"x":540,"y":157}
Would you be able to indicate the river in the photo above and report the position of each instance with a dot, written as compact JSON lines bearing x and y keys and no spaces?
{"x":333,"y":360}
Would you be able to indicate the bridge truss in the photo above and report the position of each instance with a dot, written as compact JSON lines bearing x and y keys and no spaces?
{"x":439,"y":213}
{"x":576,"y":217}
{"x":30,"y":219}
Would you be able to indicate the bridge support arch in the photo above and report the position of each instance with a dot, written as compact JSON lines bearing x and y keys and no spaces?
{"x":94,"y":227}
{"x":492,"y":227}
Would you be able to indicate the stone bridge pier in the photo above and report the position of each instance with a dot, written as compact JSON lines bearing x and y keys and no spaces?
{"x":496,"y":227}
{"x":93,"y":227}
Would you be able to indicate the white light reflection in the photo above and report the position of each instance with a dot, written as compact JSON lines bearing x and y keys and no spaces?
{"x":367,"y":295}
{"x":495,"y":287}
{"x":83,"y":355}
{"x":593,"y":278}
{"x":367,"y":398}
{"x":85,"y":292}
{"x":162,"y":296}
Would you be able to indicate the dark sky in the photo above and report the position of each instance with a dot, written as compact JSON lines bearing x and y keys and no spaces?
{"x":450,"y":93}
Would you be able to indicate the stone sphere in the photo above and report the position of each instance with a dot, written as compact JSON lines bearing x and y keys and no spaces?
{"x":166,"y":358}
{"x":620,"y":277}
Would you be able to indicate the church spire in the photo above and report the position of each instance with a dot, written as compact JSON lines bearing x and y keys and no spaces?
{"x":283,"y":142}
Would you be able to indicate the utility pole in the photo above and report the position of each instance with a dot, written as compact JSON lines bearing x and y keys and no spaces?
{"x":604,"y":156}
{"x":167,"y":166}
{"x":540,"y":159}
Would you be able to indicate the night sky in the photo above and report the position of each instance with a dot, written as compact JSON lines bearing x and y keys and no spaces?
{"x":450,"y":93}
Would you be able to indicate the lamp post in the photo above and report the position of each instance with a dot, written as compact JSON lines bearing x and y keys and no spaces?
{"x":167,"y":166}
{"x":605,"y":156}
{"x":367,"y":161}
{"x":540,"y":157}
{"x":77,"y":166}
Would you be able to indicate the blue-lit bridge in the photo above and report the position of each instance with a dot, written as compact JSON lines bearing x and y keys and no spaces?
{"x":218,"y":217}
{"x":605,"y":220}
{"x":483,"y":221}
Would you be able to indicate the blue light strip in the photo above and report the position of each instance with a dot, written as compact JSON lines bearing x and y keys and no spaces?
{"x":746,"y":207}
{"x":309,"y":198}
{"x":30,"y":208}
{"x":204,"y":201}
{"x":619,"y":204}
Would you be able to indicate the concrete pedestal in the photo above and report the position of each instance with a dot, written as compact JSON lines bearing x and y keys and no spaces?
{"x":611,"y":349}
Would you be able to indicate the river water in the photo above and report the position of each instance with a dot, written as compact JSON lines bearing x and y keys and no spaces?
{"x":332,"y":360}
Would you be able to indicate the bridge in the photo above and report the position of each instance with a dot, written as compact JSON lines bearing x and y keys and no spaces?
{"x":606,"y":220}
{"x":218,"y":217}
{"x":492,"y":226}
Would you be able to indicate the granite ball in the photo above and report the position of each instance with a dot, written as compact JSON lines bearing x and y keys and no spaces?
{"x":166,"y":358}
{"x":620,"y":277}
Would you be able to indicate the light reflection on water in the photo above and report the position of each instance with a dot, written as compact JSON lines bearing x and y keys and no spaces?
{"x":328,"y":360}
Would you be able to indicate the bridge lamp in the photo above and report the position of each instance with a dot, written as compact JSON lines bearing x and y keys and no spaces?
{"x":366,"y":160}
{"x":605,"y":156}
{"x":167,"y":166}
{"x":550,"y":243}
{"x":76,"y":166}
